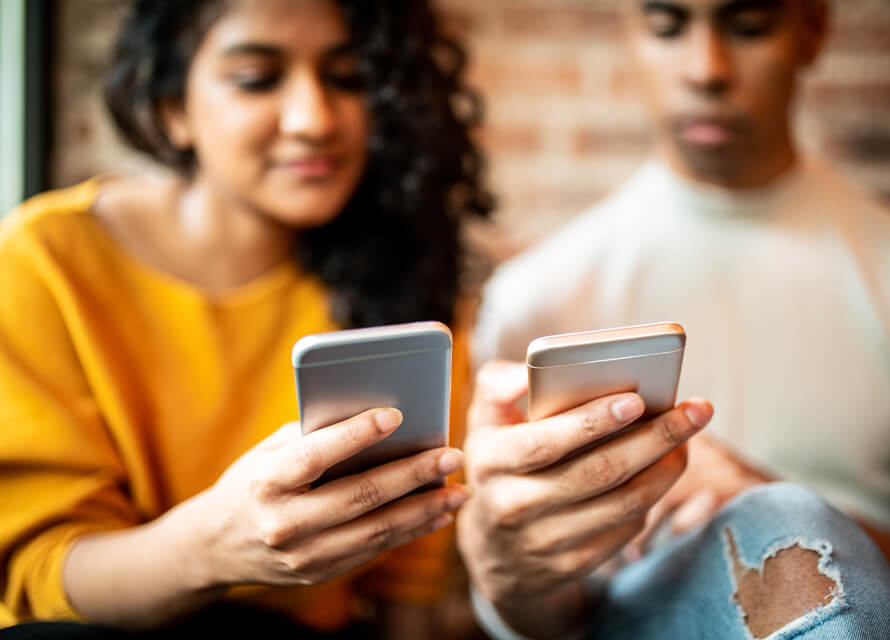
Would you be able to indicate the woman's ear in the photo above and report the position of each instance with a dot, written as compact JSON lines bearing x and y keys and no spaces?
{"x":176,"y":125}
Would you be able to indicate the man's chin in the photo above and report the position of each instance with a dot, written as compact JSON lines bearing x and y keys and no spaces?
{"x":720,"y":164}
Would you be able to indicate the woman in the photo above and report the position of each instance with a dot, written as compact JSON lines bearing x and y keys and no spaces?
{"x":323,"y":167}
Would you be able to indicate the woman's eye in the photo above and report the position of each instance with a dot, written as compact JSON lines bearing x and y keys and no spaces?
{"x":664,"y":24}
{"x":256,"y":83}
{"x":351,"y":81}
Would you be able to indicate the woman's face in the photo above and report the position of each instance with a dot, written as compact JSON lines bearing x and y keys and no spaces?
{"x":274,"y":110}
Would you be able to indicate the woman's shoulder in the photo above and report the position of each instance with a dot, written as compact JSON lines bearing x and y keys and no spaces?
{"x":88,"y":218}
{"x":38,"y":215}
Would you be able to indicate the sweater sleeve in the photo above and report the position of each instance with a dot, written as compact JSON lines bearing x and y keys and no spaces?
{"x":60,"y":476}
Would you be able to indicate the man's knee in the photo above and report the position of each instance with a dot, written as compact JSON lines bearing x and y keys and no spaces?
{"x":789,"y":506}
{"x":808,"y":559}
{"x":788,"y":584}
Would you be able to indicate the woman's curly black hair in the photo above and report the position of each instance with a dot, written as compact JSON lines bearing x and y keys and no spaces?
{"x":394,"y":254}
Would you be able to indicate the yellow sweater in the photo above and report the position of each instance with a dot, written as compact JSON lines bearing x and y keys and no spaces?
{"x":124,"y":391}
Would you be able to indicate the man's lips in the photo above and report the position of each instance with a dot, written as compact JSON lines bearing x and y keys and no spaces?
{"x":707,"y":131}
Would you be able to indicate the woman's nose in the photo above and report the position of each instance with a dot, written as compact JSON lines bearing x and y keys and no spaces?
{"x":307,"y":110}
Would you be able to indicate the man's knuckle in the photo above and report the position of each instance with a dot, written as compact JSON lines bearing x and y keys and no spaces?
{"x":590,"y":425}
{"x":355,"y":430}
{"x":366,"y":493}
{"x":481,"y":463}
{"x":636,"y":502}
{"x":682,"y":458}
{"x":569,"y":562}
{"x":542,"y":543}
{"x":538,"y":448}
{"x":508,"y":512}
{"x":601,"y":469}
{"x":672,"y":429}
{"x":636,"y":527}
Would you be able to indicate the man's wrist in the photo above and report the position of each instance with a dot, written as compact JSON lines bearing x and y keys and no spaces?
{"x":561,"y":614}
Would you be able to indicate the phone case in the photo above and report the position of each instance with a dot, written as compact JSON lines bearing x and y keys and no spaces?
{"x":570,"y":369}
{"x":407,"y":366}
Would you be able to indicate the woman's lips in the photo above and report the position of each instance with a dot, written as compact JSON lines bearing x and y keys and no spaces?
{"x":315,"y":167}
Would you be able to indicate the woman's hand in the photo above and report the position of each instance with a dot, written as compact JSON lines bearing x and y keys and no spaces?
{"x":267,"y":524}
{"x":263,"y":522}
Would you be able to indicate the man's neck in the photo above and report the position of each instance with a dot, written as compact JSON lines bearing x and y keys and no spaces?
{"x":757,"y":173}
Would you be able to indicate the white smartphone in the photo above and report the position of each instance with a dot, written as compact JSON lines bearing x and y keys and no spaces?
{"x":567,"y":370}
{"x":406,"y":366}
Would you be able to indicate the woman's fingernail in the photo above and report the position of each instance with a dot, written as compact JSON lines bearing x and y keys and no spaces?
{"x":698,"y":415}
{"x":628,"y":408}
{"x":456,"y":498}
{"x":451,"y":461}
{"x":388,"y":419}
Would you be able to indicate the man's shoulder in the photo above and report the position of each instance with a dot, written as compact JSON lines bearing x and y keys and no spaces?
{"x":528,"y":293}
{"x":574,"y":246}
{"x":850,"y":203}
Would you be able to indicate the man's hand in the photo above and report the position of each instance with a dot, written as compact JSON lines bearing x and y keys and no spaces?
{"x":547,"y":509}
{"x":714,"y":475}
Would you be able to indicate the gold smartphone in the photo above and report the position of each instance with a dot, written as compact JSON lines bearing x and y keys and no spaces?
{"x":567,"y":370}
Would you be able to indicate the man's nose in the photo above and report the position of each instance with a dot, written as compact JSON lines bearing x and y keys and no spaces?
{"x":708,"y":64}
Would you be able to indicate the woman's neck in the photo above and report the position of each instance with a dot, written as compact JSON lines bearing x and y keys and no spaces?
{"x":231,"y":242}
{"x":193,"y":231}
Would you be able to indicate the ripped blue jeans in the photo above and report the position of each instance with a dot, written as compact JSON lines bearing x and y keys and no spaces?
{"x":687,"y":588}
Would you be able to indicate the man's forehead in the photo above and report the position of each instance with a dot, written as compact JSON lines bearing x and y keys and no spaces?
{"x":708,"y":6}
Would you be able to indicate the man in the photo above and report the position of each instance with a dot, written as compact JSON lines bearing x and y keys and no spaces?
{"x":780,"y":272}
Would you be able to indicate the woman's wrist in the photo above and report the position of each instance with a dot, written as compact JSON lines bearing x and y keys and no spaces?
{"x":143,"y":576}
{"x":192,"y":529}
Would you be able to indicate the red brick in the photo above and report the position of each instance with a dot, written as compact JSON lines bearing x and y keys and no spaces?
{"x":605,"y":140}
{"x":503,"y":138}
{"x":545,"y":21}
{"x":511,"y":75}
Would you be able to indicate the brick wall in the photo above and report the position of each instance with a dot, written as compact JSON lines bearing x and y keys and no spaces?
{"x":563,"y":125}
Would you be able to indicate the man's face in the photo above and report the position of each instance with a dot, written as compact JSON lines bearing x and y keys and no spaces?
{"x":719,"y":76}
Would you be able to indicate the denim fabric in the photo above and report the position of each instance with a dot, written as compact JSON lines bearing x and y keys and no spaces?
{"x":684,"y":589}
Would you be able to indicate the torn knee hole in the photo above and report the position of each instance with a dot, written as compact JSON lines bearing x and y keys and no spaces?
{"x":788,"y":585}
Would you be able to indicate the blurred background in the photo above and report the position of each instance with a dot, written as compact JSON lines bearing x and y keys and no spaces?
{"x":563,"y":125}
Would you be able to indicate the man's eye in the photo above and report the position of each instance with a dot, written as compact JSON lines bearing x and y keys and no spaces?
{"x":664,"y":24}
{"x":751,"y":24}
{"x":256,"y":83}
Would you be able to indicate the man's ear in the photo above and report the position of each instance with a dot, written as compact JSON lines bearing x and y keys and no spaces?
{"x":816,"y":16}
{"x":175,"y":123}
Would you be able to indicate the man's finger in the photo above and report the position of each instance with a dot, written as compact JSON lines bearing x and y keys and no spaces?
{"x":611,"y":464}
{"x":537,"y":445}
{"x":700,"y":508}
{"x":499,"y":386}
{"x":555,"y":530}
